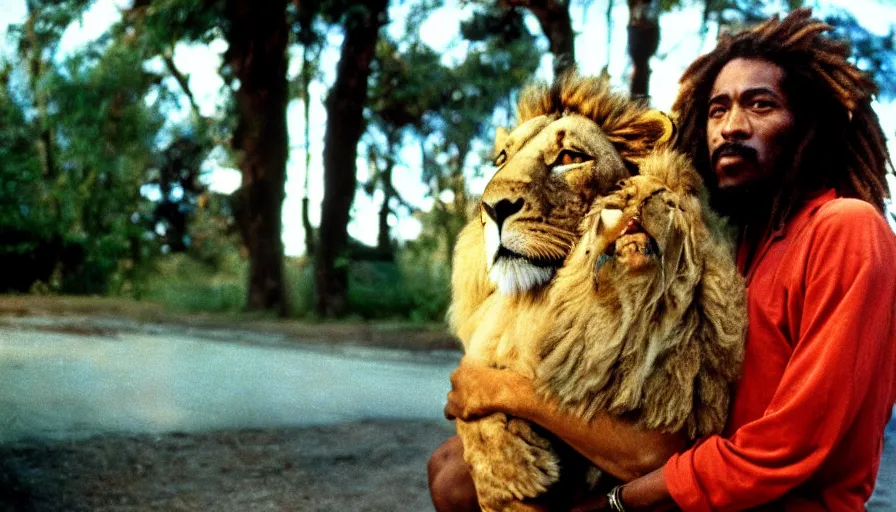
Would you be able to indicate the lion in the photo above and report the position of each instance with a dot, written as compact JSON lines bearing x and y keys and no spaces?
{"x":647,"y":317}
{"x":574,"y":140}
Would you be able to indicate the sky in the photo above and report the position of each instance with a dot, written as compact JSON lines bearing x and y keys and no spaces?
{"x":679,"y":45}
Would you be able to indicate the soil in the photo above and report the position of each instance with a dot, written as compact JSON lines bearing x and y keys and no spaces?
{"x":363,"y":466}
{"x":374,"y":465}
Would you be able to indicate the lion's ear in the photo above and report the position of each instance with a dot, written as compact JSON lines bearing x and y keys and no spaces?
{"x":649,"y":130}
{"x":673,"y":169}
{"x":501,"y":135}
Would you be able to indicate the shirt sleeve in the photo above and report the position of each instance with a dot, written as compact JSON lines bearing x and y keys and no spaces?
{"x":847,"y":318}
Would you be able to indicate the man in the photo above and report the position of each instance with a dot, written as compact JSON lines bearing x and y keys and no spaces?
{"x":781,"y":127}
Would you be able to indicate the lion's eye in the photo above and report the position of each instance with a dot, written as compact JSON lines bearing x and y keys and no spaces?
{"x":569,"y":157}
{"x":568,"y":160}
{"x":500,"y":159}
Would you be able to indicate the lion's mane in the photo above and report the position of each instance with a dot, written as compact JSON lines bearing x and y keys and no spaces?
{"x":660,"y":346}
{"x":605,"y":135}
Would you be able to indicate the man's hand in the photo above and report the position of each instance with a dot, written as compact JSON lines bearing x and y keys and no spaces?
{"x":478,"y":390}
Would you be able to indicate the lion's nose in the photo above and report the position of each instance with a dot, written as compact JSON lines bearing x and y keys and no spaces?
{"x":499,"y":211}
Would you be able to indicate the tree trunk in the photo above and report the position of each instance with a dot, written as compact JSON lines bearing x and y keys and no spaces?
{"x":383,"y":241}
{"x":553,"y":16}
{"x":643,"y":41}
{"x":345,"y":106}
{"x":306,"y":110}
{"x":257,"y":38}
{"x":34,"y":57}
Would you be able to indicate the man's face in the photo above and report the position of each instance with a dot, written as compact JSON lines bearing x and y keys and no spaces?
{"x":749,"y":122}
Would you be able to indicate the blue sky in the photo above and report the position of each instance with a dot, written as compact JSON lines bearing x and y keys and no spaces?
{"x":679,"y":45}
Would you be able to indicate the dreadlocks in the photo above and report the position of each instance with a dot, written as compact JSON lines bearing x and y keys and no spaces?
{"x":840,"y":143}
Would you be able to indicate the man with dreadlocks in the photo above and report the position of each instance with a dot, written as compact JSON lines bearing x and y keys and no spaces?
{"x":780,"y":125}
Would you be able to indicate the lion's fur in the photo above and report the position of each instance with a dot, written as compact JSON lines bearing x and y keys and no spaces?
{"x":493,"y":298}
{"x":577,"y":112}
{"x":661,"y":345}
{"x":620,"y":118}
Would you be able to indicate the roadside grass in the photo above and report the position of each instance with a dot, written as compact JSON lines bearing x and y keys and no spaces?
{"x":378,"y":290}
{"x":397,"y":334}
{"x":400,"y":305}
{"x":185,"y":284}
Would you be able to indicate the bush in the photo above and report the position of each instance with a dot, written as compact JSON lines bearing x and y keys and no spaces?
{"x":377,"y":290}
{"x":185,"y":284}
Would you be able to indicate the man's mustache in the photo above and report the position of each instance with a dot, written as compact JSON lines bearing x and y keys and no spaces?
{"x":734,"y":149}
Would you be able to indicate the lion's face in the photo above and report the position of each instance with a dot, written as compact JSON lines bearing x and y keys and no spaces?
{"x":637,"y":225}
{"x":549,"y":172}
{"x":575,"y":139}
{"x":649,"y":225}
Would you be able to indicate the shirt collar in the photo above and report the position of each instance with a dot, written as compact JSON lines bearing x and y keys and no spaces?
{"x":804,"y":212}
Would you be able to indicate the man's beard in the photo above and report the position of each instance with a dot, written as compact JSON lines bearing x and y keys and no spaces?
{"x":746,"y":202}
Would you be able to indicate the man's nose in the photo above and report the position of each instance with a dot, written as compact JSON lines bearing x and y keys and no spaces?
{"x":737,"y":125}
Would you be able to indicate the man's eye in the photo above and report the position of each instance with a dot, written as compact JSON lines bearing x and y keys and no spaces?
{"x":500,"y":159}
{"x":716,"y":111}
{"x":762,"y":105}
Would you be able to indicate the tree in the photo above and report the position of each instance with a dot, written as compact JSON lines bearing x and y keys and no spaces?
{"x":257,"y":35}
{"x":405,"y":87}
{"x":554,"y":19}
{"x":497,"y":64}
{"x":311,"y":39}
{"x":28,"y":241}
{"x":345,"y":106}
{"x":177,"y":177}
{"x":643,"y":41}
{"x":875,"y":54}
{"x":107,"y":145}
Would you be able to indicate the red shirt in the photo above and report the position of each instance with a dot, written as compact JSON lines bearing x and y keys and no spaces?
{"x":807,"y":418}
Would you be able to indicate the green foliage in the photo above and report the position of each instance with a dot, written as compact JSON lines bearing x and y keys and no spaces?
{"x":448,"y":108}
{"x":155,"y":27}
{"x":872,"y":53}
{"x":47,"y":21}
{"x":21,"y":188}
{"x":379,"y":290}
{"x":29,"y":240}
{"x":106,"y":143}
{"x":211,"y":275}
{"x":405,"y":85}
{"x":737,"y":14}
{"x":77,"y":221}
{"x":183,"y":283}
{"x":72,"y":206}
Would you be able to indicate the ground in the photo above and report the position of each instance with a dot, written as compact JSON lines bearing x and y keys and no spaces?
{"x":366,"y":466}
{"x":361,"y":466}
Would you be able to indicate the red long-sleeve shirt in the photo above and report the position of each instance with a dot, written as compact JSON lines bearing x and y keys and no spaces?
{"x":807,"y":419}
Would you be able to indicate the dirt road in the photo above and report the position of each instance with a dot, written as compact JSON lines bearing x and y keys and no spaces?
{"x":127,"y":419}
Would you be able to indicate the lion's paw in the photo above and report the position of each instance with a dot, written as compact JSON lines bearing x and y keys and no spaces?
{"x":509,"y":461}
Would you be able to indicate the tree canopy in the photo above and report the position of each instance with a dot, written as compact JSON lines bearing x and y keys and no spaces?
{"x":108,"y":154}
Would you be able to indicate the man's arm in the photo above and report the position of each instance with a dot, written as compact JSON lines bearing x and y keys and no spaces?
{"x":842,"y":359}
{"x":617,"y":447}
